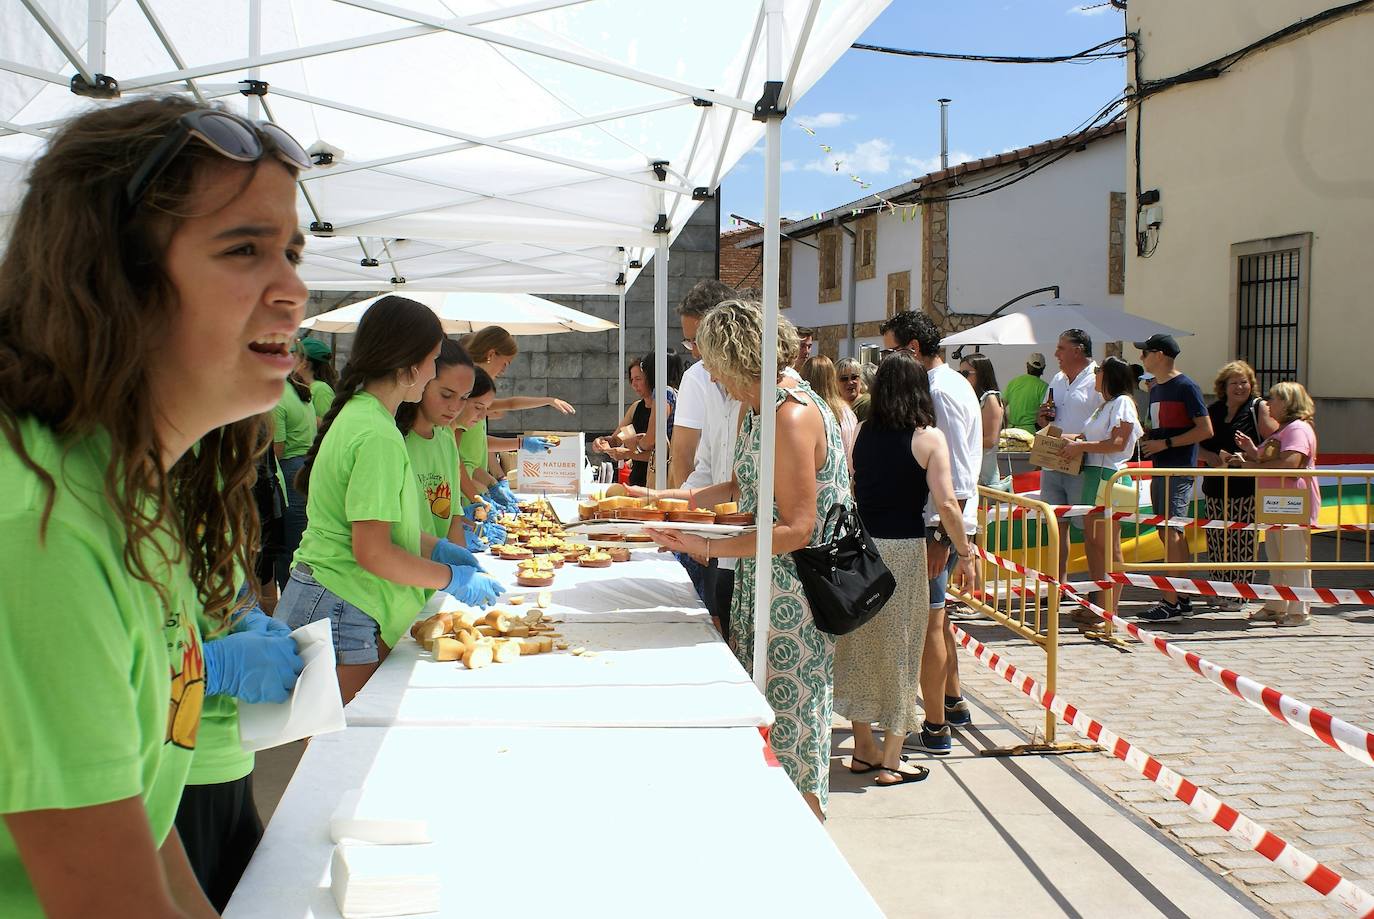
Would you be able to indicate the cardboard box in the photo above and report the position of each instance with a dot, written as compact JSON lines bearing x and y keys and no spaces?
{"x":1047,"y":452}
{"x":558,"y":472}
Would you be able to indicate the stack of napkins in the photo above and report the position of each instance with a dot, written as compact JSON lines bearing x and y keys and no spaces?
{"x":377,"y":881}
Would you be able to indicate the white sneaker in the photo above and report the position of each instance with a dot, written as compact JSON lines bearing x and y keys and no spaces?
{"x":1265,"y":614}
{"x":1295,"y":619}
{"x":1228,"y":604}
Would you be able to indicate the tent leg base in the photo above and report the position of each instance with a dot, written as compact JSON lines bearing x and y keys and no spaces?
{"x":1042,"y":749}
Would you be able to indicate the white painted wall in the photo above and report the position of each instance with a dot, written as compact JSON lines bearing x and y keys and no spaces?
{"x":1278,"y":145}
{"x":1049,"y":228}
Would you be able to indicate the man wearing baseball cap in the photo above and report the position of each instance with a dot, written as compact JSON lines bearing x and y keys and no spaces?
{"x":1178,"y":423}
{"x":1025,"y":393}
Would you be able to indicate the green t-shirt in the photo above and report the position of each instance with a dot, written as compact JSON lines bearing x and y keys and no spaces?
{"x":321,"y":397}
{"x":472,"y":450}
{"x":435,"y":461}
{"x":1024,"y":396}
{"x":862,"y":406}
{"x":101,"y":681}
{"x":362,"y":472}
{"x":293,"y":423}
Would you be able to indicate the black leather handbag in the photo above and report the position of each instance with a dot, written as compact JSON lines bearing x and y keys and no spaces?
{"x":845,"y":580}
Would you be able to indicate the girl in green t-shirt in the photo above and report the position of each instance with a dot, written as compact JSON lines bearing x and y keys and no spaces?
{"x":493,"y":350}
{"x":428,"y":429}
{"x":293,"y":431}
{"x":316,"y":370}
{"x":364,"y":561}
{"x":148,"y":294}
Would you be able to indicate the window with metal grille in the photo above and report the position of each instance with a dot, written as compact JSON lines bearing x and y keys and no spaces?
{"x":1270,"y":285}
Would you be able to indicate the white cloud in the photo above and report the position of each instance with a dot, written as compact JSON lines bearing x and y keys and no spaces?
{"x":920,"y":165}
{"x":788,"y":165}
{"x":865,"y":159}
{"x":1091,"y":9}
{"x":825,"y":119}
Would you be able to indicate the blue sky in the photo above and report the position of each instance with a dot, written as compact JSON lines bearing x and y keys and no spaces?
{"x":878,"y":112}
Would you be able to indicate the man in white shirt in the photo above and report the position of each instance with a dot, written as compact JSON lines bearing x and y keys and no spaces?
{"x":1073,"y":392}
{"x":960,"y":418}
{"x":699,"y":424}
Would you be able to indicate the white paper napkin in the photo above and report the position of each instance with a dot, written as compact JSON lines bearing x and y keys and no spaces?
{"x":314,"y":706}
{"x":375,"y":881}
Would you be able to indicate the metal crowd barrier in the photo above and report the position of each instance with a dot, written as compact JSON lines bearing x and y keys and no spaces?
{"x":1346,"y":517}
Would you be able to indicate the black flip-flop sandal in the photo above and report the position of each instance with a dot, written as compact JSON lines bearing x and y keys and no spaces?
{"x":919,"y":775}
{"x":868,"y":767}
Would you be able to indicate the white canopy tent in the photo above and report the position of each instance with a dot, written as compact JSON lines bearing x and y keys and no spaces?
{"x":534,"y":146}
{"x":1042,"y":324}
{"x":519,"y":314}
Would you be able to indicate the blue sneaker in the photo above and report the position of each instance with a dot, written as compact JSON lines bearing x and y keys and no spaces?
{"x":1163,"y":611}
{"x":957,"y":713}
{"x":932,"y":740}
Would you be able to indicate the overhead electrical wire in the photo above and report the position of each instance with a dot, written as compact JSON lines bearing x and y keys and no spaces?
{"x":1096,"y":52}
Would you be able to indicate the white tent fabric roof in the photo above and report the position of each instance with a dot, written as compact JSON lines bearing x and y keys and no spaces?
{"x":519,"y":314}
{"x":499,"y":145}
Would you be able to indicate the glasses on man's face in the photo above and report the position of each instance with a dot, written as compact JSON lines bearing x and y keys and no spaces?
{"x":1145,"y":351}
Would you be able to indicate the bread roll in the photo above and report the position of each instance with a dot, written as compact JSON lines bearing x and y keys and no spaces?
{"x":729,"y":507}
{"x":478,"y":656}
{"x":448,"y":649}
{"x":616,"y":490}
{"x":506,"y":651}
{"x":673,"y":504}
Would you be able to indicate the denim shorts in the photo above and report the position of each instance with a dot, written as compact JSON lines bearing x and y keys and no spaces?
{"x":1061,"y":488}
{"x":1179,"y":498}
{"x":305,"y":600}
{"x":941,"y":581}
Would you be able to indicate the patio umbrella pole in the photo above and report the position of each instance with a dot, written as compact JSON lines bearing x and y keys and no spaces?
{"x":768,"y":375}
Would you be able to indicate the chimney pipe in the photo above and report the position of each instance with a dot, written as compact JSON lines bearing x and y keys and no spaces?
{"x":944,"y":133}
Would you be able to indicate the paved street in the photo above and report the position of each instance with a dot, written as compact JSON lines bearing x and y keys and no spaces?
{"x":1312,"y":795}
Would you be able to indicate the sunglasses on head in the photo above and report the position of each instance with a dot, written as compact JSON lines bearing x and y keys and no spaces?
{"x":231,"y":136}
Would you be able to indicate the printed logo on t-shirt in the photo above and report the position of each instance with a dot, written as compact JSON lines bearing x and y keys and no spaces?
{"x":188,"y":684}
{"x":1170,"y":414}
{"x":438,"y":496}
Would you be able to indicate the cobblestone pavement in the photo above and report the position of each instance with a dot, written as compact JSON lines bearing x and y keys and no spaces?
{"x":1314,"y":796}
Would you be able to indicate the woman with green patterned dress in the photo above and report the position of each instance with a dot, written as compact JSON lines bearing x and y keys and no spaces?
{"x":799,"y":684}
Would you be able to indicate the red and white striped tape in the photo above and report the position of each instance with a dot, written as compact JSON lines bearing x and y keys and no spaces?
{"x":1291,"y":860}
{"x":1336,"y":596}
{"x":1206,"y":523}
{"x":1354,"y":741}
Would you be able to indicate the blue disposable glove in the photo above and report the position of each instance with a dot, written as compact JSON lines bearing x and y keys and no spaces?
{"x":507,"y":496}
{"x":255,"y":620}
{"x":252,"y":666}
{"x":474,"y":541}
{"x":470,"y":586}
{"x":536,"y":444}
{"x":470,"y":512}
{"x":450,"y":554}
{"x":494,"y":532}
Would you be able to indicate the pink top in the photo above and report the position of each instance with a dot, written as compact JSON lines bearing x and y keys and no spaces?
{"x":1296,"y":437}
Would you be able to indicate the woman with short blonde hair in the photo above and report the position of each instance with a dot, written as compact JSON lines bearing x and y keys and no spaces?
{"x":800,"y":657}
{"x":1238,"y":409}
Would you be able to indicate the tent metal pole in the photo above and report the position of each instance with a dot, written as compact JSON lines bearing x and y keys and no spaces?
{"x":34,"y":73}
{"x":59,"y":39}
{"x":661,"y":362}
{"x":768,"y":381}
{"x":166,"y":42}
{"x":620,"y":367}
{"x":255,"y":51}
{"x":96,"y":16}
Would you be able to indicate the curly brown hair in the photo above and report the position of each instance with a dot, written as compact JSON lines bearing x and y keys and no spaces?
{"x":84,"y":293}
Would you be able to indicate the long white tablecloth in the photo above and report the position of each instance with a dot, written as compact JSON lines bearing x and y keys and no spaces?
{"x":650,"y":675}
{"x":552,"y":822}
